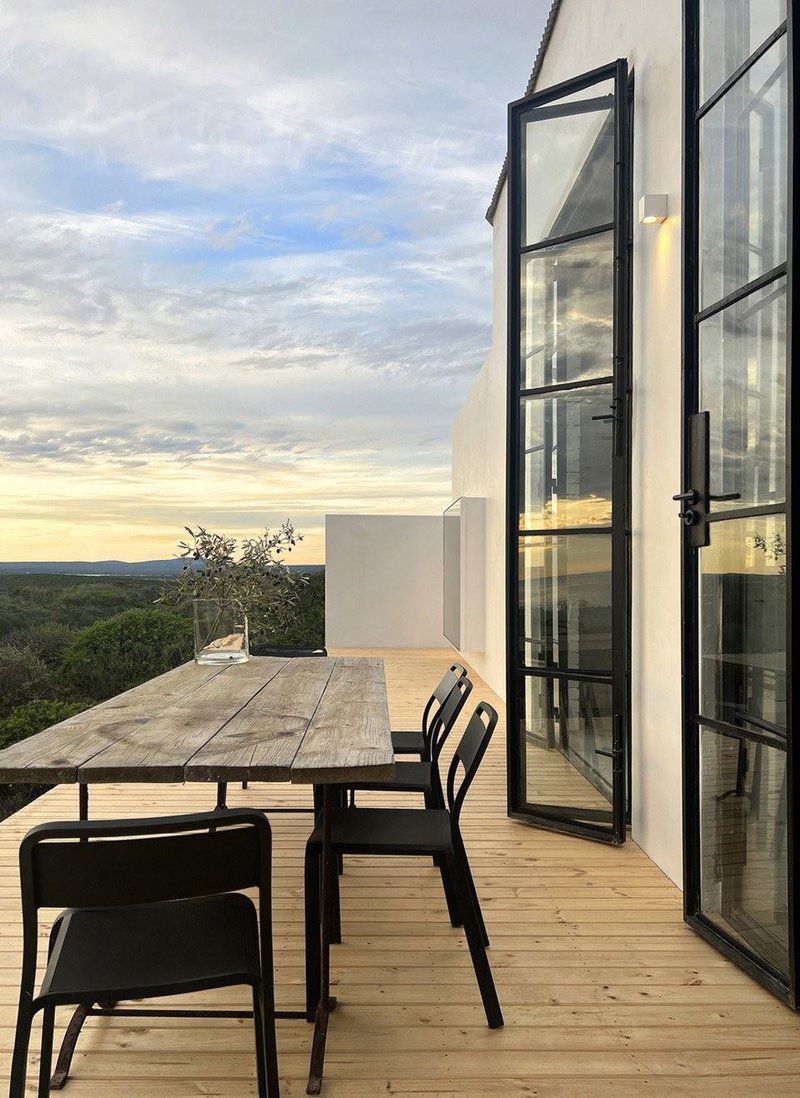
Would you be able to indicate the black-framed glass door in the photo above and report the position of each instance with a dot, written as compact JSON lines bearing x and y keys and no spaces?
{"x":567,"y":473}
{"x":735,"y":496}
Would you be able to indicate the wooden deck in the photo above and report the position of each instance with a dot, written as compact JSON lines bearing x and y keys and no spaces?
{"x":605,"y":991}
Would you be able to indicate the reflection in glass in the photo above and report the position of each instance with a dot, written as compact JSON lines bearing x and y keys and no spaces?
{"x":565,"y":592}
{"x":742,"y":383}
{"x":743,"y":623}
{"x":452,"y":573}
{"x":743,"y":167}
{"x":730,"y":31}
{"x":567,"y":457}
{"x":568,"y":152}
{"x":567,"y":296}
{"x":743,"y":865}
{"x":565,"y":724}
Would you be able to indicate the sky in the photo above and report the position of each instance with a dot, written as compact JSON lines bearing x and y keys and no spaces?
{"x":244,"y":269}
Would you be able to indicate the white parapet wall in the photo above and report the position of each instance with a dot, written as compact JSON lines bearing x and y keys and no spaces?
{"x":383,"y":581}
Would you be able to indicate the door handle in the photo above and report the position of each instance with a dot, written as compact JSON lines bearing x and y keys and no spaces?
{"x":724,"y":497}
{"x":690,"y":496}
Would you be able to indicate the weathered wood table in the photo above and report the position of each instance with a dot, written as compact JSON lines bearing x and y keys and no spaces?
{"x":317,"y":721}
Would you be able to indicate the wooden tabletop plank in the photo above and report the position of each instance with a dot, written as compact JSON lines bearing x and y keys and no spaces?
{"x":310,"y":720}
{"x":348,"y":738}
{"x":54,"y":755}
{"x":260,"y":742}
{"x":159,"y":749}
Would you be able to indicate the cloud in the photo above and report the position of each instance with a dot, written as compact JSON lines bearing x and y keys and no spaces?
{"x":244,"y":263}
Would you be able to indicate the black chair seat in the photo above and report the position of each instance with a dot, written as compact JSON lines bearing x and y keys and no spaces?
{"x":134,"y":952}
{"x":409,"y":777}
{"x":408,"y":743}
{"x":387,"y":831}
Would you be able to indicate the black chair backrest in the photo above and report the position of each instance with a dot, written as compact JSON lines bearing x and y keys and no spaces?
{"x":444,"y":721}
{"x":469,"y":753}
{"x":144,"y":860}
{"x":439,"y":697}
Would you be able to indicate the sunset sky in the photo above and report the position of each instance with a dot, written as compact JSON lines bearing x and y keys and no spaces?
{"x":245,"y":271}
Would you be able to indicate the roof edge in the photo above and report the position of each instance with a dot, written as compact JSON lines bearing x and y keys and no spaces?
{"x":547,"y":34}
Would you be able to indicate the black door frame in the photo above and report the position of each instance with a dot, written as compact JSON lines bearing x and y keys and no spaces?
{"x":620,"y":530}
{"x":693,"y":111}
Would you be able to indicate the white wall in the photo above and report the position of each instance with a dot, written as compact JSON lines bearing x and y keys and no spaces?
{"x":587,"y":34}
{"x":383,"y":581}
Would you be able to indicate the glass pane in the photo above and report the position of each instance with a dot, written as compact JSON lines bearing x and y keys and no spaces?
{"x":743,"y":623}
{"x":567,"y":329}
{"x":452,"y":573}
{"x":565,"y":724}
{"x":743,"y":866}
{"x":565,"y":591}
{"x":743,"y":145}
{"x":568,"y":157}
{"x":567,"y":456}
{"x":742,"y":384}
{"x":730,"y":31}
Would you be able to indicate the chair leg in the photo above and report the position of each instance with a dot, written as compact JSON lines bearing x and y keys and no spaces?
{"x":266,"y":1052}
{"x":477,"y":950}
{"x":313,"y":868}
{"x":453,"y":909}
{"x":462,"y":854}
{"x":22,"y":1040}
{"x":270,"y":1040}
{"x":46,"y":1058}
{"x":222,"y":794}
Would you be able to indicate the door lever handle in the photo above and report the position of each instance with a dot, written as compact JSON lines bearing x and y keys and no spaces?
{"x":690,"y":496}
{"x":723,"y":497}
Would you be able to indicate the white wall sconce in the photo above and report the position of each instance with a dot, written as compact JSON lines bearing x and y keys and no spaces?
{"x":652,"y":209}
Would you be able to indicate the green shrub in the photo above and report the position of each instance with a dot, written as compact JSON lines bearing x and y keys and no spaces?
{"x":104,"y":595}
{"x":26,"y":720}
{"x":114,"y":655}
{"x":10,"y":616}
{"x":47,"y":639}
{"x":23,"y":676}
{"x":306,"y":625}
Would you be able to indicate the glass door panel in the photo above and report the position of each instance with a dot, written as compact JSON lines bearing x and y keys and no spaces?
{"x":567,"y":293}
{"x":742,"y":358}
{"x":743,"y":873}
{"x":742,"y":623}
{"x":569,"y":165}
{"x":567,"y":493}
{"x":730,"y":33}
{"x":568,"y":456}
{"x":568,"y":744}
{"x":565,"y":601}
{"x":743,"y":154}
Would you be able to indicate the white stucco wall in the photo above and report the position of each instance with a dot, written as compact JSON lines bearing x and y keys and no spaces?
{"x":587,"y":34}
{"x":383,"y":581}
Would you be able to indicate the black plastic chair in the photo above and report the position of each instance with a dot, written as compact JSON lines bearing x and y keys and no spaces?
{"x":153,"y":912}
{"x":431,"y":832}
{"x":423,"y":777}
{"x":418,"y":743}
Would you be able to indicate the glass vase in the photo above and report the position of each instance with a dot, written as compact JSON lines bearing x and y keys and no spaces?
{"x":220,"y":633}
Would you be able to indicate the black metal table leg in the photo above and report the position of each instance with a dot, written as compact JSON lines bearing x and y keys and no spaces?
{"x":326,"y":1002}
{"x":64,"y":1062}
{"x":83,"y":801}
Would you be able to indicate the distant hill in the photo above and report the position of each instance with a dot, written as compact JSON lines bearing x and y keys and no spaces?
{"x":110,"y":568}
